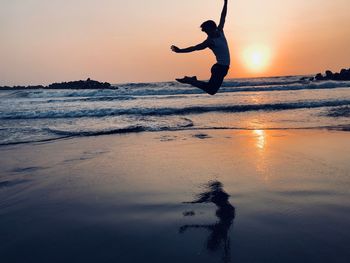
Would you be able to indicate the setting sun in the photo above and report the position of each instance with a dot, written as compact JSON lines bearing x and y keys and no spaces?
{"x":257,"y":58}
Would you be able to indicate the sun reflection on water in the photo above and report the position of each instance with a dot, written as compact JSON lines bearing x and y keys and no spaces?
{"x":260,"y":144}
{"x":261,"y":139}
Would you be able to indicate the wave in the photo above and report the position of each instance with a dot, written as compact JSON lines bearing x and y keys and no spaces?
{"x":139,"y":128}
{"x":177,"y":94}
{"x":339,"y":112}
{"x":131,"y":129}
{"x":90,"y":99}
{"x":234,"y":87}
{"x":166,"y":111}
{"x":128,"y":91}
{"x":174,"y":124}
{"x":310,"y":86}
{"x":229,"y":82}
{"x":65,"y":93}
{"x":237,"y":83}
{"x":106,"y":99}
{"x":65,"y":134}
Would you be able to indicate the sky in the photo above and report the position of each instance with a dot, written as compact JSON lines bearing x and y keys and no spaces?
{"x":129,"y":41}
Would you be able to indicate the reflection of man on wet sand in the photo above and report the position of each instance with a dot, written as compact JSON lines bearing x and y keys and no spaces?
{"x":225,"y":214}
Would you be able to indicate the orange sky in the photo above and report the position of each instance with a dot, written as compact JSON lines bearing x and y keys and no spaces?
{"x":129,"y":41}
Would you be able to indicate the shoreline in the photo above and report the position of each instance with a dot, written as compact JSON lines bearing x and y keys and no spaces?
{"x":339,"y":128}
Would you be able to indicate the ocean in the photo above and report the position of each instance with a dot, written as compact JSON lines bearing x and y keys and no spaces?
{"x":247,"y":104}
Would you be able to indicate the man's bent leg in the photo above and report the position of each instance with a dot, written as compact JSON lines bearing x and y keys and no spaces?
{"x":218,"y":73}
{"x":208,"y":87}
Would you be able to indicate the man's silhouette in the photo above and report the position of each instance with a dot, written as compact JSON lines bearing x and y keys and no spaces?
{"x":217,"y":42}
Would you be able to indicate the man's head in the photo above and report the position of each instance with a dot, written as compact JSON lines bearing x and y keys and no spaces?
{"x":209,"y":26}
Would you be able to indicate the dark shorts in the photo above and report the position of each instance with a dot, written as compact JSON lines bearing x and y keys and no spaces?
{"x":218,"y":73}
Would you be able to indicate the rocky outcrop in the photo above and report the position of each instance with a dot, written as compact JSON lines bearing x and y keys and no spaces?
{"x":343,"y":75}
{"x":80,"y":84}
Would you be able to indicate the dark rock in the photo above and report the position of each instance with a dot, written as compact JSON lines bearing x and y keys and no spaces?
{"x":336,"y":76}
{"x":329,"y":74}
{"x":81,"y":84}
{"x":36,"y":87}
{"x":344,"y":75}
{"x":88,"y":84}
{"x":319,"y":76}
{"x":343,"y":71}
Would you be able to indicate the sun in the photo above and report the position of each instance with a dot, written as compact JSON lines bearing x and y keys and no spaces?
{"x":257,"y":58}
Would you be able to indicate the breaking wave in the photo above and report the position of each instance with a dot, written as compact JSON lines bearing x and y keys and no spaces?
{"x":166,"y":111}
{"x":129,"y":91}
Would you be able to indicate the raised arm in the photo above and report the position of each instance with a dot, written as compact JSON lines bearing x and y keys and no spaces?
{"x":223,"y":16}
{"x":198,"y":47}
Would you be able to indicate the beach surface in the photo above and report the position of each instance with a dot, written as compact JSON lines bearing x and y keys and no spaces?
{"x":121,"y":198}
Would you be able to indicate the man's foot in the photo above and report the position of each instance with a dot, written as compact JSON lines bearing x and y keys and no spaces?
{"x":187,"y":80}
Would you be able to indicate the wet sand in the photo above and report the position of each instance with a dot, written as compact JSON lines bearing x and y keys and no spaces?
{"x":208,"y":196}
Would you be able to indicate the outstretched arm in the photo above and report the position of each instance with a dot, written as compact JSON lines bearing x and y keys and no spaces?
{"x":223,"y":16}
{"x":198,"y":47}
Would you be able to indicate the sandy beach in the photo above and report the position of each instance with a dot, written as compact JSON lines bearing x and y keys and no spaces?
{"x":120,"y":198}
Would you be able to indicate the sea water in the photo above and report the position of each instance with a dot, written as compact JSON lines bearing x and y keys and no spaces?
{"x":261,"y":103}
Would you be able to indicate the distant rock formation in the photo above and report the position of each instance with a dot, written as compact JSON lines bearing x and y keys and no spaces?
{"x":344,"y":75}
{"x":80,"y":84}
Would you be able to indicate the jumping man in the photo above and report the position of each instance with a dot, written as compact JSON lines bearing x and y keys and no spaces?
{"x":217,"y":42}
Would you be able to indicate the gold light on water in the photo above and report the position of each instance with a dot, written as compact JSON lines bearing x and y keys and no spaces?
{"x":261,"y":158}
{"x":261,"y":139}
